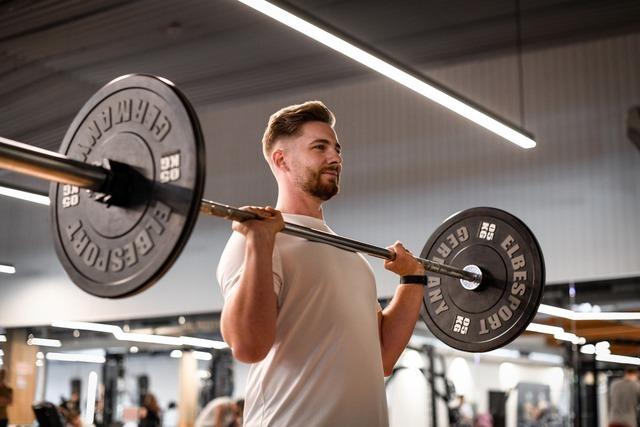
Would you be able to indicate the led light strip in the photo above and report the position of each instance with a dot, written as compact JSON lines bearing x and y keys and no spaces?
{"x":119,"y":334}
{"x":24,"y":195}
{"x":557,"y":332}
{"x":71,"y":357}
{"x":392,"y":72}
{"x":198,"y":355}
{"x":572,"y":315}
{"x":43,"y":342}
{"x":9,"y":269}
{"x":614,"y":358}
{"x":603,"y":354}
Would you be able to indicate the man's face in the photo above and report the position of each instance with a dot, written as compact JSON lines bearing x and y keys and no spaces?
{"x":314,"y":160}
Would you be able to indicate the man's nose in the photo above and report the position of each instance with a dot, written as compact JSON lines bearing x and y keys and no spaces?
{"x":335,"y":157}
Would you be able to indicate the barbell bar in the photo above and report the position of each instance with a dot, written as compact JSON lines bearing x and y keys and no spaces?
{"x":52,"y":166}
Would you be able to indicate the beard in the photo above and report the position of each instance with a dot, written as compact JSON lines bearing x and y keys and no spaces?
{"x":312,"y":183}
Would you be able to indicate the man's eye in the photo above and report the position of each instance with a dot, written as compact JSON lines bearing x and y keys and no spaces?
{"x":321,"y":147}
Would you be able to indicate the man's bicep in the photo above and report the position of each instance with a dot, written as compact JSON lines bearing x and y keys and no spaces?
{"x":229,"y":288}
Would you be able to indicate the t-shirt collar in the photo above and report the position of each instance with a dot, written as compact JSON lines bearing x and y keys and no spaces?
{"x":306,"y":221}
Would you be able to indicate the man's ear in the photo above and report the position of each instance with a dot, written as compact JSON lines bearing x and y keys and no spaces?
{"x":278,"y":159}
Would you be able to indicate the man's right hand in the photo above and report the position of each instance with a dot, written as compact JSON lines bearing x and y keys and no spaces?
{"x":269,"y":224}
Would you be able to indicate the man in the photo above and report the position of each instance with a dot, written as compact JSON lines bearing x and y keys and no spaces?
{"x":305,"y":314}
{"x":6,"y":397}
{"x":624,"y":396}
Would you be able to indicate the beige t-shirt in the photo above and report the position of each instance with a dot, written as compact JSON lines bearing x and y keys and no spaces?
{"x":325,"y":367}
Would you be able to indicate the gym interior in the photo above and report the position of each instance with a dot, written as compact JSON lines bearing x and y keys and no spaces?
{"x":560,"y":75}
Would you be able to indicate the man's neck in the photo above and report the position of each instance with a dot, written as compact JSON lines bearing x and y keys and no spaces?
{"x":299,"y":203}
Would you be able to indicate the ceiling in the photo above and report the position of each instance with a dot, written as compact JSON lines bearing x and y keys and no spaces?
{"x":55,"y":54}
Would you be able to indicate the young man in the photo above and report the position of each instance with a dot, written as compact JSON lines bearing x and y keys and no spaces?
{"x":305,"y":314}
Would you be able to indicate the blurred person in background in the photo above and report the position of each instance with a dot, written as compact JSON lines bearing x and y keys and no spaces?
{"x":624,"y":396}
{"x":149,"y":415}
{"x":6,"y":398}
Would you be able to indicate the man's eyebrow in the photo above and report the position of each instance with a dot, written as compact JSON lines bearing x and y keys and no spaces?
{"x":326,"y":141}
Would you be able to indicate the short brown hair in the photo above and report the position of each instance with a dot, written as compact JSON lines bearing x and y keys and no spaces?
{"x":289,"y":120}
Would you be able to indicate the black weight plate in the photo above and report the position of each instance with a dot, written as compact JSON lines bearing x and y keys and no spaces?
{"x":147,"y":123}
{"x":512,"y":265}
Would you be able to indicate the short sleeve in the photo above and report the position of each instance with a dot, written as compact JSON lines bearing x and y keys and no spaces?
{"x":231,"y":267}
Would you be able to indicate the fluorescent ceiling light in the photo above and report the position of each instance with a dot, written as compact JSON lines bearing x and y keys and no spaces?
{"x":573,"y":315}
{"x":3,"y":338}
{"x":406,"y":79}
{"x":201,"y":355}
{"x":71,"y":357}
{"x":614,"y":358}
{"x":43,"y":342}
{"x":556,"y":311}
{"x":603,"y":347}
{"x":568,"y":336}
{"x":588,"y":349}
{"x":557,"y":332}
{"x":204,"y":343}
{"x":119,"y":334}
{"x":198,"y":355}
{"x":6,"y":268}
{"x":1,"y":352}
{"x":87,"y":326}
{"x":544,"y":329}
{"x":148,"y":338}
{"x":24,"y":195}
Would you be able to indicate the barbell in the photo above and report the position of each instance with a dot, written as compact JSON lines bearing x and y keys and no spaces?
{"x":126,"y":190}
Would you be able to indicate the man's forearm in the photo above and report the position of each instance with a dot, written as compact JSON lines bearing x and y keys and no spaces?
{"x":398,"y":321}
{"x":249,"y":316}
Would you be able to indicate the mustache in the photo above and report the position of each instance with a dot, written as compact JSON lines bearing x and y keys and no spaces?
{"x":337,"y":169}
